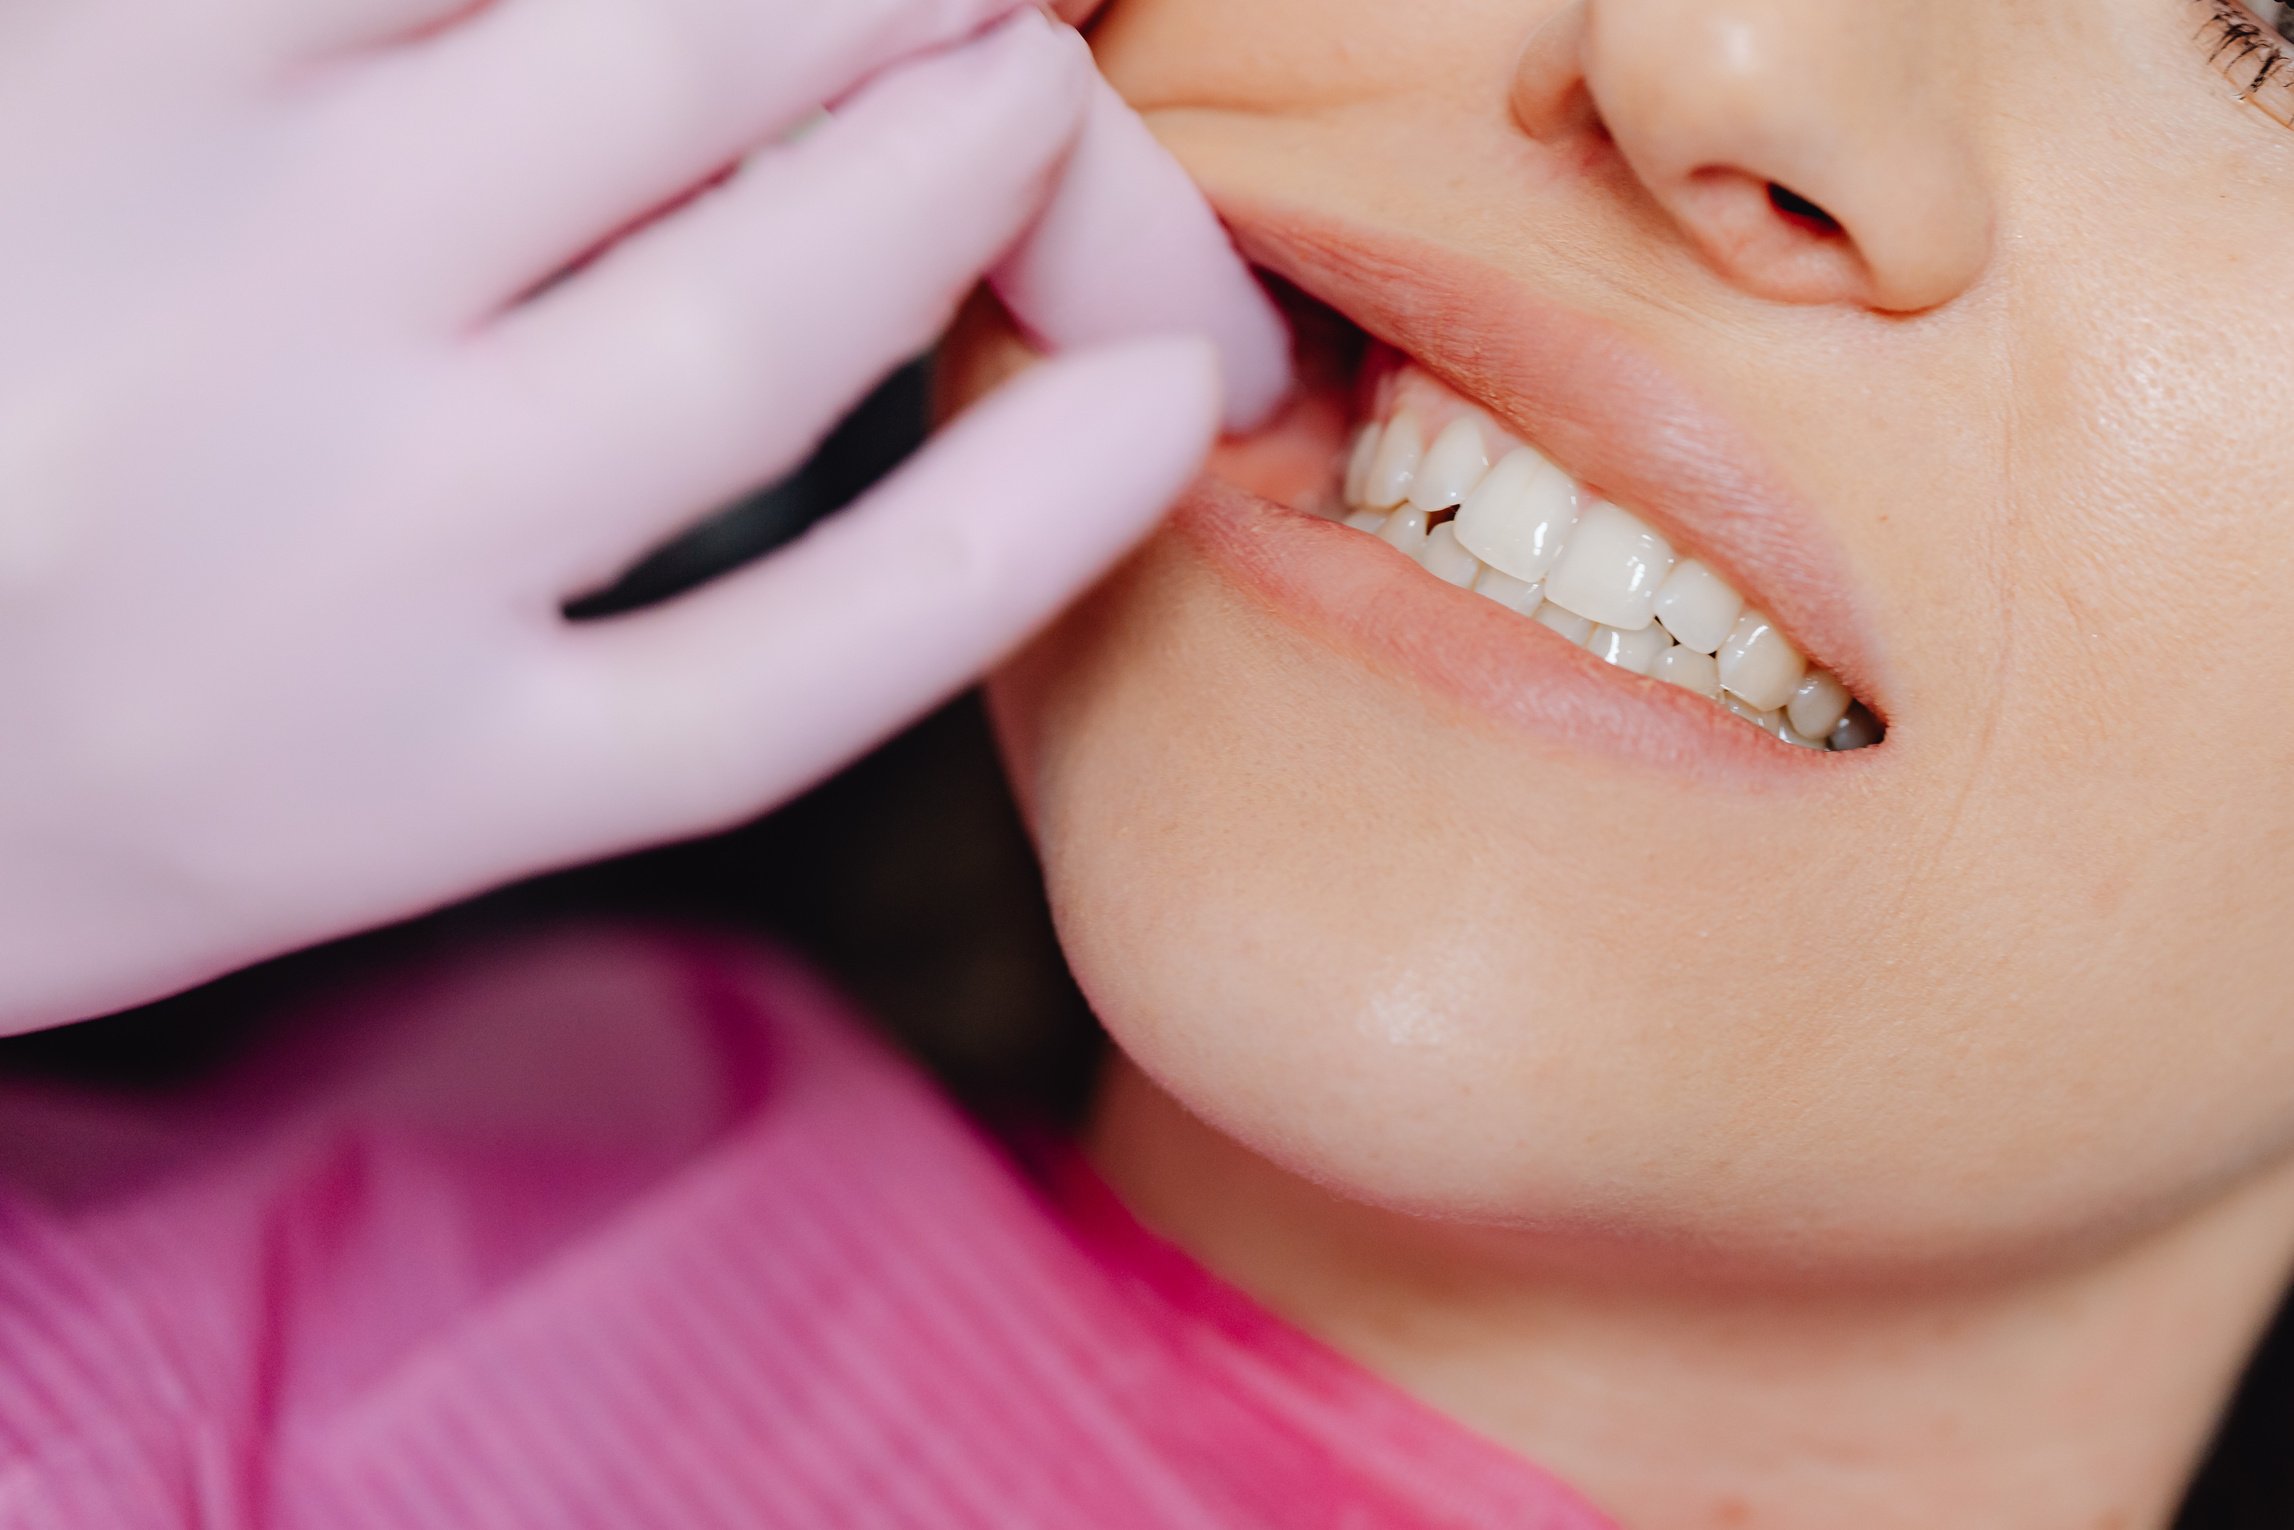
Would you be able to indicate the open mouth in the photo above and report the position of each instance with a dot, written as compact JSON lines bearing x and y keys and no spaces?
{"x":1434,"y":476}
{"x":1592,"y":549}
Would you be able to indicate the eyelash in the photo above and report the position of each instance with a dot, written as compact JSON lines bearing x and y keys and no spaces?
{"x":2233,"y":33}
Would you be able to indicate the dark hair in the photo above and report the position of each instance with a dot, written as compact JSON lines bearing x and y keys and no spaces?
{"x":2247,"y":1482}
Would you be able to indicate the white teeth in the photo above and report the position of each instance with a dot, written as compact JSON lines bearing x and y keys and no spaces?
{"x":1395,"y":463}
{"x":1525,"y":536}
{"x":1610,"y":571}
{"x":1405,"y":529}
{"x":1688,"y":669}
{"x":1575,"y":628}
{"x":1358,"y":463}
{"x":1757,"y":664}
{"x":1817,"y":705}
{"x":1635,"y":651}
{"x":1446,"y":560}
{"x":1509,"y":592}
{"x":1516,"y":519}
{"x":1697,"y":607}
{"x":1452,"y":466}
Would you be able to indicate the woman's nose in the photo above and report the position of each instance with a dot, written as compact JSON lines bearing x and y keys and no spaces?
{"x":1815,"y":151}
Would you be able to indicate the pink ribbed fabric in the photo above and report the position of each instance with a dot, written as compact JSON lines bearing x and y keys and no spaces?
{"x":628,"y":1232}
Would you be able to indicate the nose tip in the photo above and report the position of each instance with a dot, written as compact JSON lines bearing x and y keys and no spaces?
{"x":1810,"y":151}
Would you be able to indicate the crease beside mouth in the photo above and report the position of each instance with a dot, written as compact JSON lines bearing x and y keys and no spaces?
{"x":1435,"y":477}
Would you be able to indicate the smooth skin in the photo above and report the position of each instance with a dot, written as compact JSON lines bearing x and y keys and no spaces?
{"x":1906,"y":1147}
{"x":343,"y":342}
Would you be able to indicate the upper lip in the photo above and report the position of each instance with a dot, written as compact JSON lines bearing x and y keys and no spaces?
{"x":1599,"y":403}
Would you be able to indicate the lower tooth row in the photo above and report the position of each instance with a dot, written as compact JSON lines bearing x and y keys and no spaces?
{"x":1523,"y":534}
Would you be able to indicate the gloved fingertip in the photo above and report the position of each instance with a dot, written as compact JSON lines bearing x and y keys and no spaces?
{"x":1038,"y":42}
{"x":1183,"y":378}
{"x":1256,"y":357}
{"x":1137,"y":417}
{"x":1129,"y":247}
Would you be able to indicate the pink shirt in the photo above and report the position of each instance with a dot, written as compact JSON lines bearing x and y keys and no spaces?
{"x":619,"y":1231}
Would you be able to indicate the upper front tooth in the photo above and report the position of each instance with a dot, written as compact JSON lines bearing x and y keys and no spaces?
{"x":1453,"y":465}
{"x":1516,"y":519}
{"x":1697,"y":607}
{"x":1611,"y":569}
{"x":1757,"y":663}
{"x":1395,"y":464}
{"x":1358,"y":464}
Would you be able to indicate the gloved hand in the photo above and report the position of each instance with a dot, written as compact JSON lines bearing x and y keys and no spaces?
{"x":318,"y":401}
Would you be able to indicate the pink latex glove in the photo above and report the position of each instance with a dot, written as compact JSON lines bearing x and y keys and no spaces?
{"x":306,"y":436}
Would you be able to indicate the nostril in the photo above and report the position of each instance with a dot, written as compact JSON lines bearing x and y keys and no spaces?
{"x":1802,"y":213}
{"x":1767,"y":237}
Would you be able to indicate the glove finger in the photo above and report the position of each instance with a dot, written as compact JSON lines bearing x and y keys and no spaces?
{"x":320,"y":28}
{"x":541,"y":129}
{"x":702,"y":713}
{"x":713,"y":352}
{"x":1129,"y":247}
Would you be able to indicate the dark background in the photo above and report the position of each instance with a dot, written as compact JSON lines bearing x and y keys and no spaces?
{"x":907,"y":879}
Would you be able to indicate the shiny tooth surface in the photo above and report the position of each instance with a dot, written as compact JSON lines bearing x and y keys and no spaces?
{"x":1635,"y":651}
{"x":1690,"y":670}
{"x":1817,"y":704}
{"x":1446,"y":560}
{"x":1405,"y":529}
{"x":1519,"y":515}
{"x":1528,"y":538}
{"x":1698,"y":607}
{"x":1452,"y":466}
{"x":1401,"y":447}
{"x":1359,"y":460}
{"x":1757,"y":664}
{"x":1514,"y":594}
{"x":1570,"y":625}
{"x":1611,"y":569}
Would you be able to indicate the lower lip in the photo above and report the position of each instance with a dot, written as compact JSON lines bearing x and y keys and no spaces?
{"x":1352,"y":592}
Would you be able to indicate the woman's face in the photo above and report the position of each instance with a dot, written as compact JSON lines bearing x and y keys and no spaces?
{"x":1949,"y":332}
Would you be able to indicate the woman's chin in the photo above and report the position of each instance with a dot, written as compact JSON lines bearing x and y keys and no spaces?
{"x":1432,"y":990}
